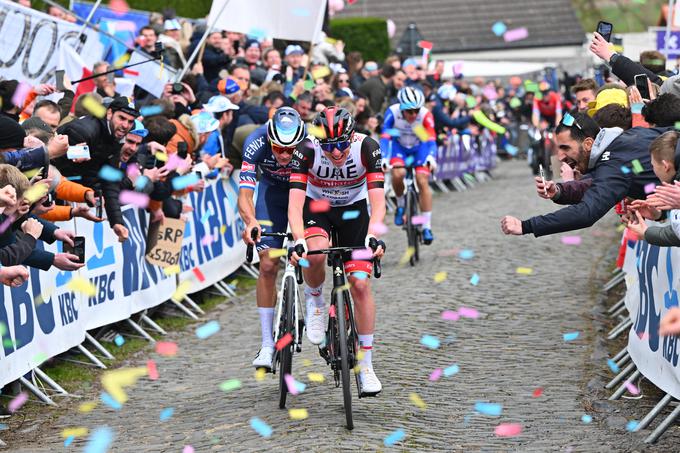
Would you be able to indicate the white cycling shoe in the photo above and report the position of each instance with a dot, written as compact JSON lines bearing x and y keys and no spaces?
{"x":370,"y":384}
{"x":315,"y":323}
{"x":264,"y":358}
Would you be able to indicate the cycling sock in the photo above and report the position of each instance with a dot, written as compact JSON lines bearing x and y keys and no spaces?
{"x":366,"y":346}
{"x":315,"y":295}
{"x":266,"y":318}
{"x":401,"y":201}
{"x":428,"y":219}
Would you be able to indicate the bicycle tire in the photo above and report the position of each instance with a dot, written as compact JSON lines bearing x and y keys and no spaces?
{"x":413,"y":239}
{"x":286,"y":353}
{"x":344,"y":360}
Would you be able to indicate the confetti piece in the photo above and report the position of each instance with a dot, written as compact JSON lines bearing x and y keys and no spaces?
{"x":100,"y":440}
{"x":613,"y":366}
{"x":467,"y":312}
{"x":429,"y":341}
{"x":499,"y":28}
{"x":199,"y":275}
{"x":17,"y":402}
{"x":108,"y":173}
{"x":392,"y":132}
{"x":632,"y":389}
{"x":294,"y":387}
{"x":321,"y":72}
{"x":537,"y":392}
{"x":631,"y":425}
{"x":229,"y":385}
{"x":141,"y":200}
{"x":20,"y":94}
{"x":571,"y":240}
{"x":450,"y":371}
{"x":303,"y":262}
{"x":181,"y":291}
{"x":166,"y":348}
{"x":421,"y":133}
{"x":316,"y":377}
{"x":163,"y":157}
{"x":152,"y":370}
{"x":637,"y":166}
{"x":182,"y":182}
{"x":68,"y":441}
{"x":508,"y":430}
{"x":436,"y":374}
{"x":417,"y":400}
{"x":119,"y":340}
{"x":516,"y":34}
{"x":585,"y":418}
{"x":167,"y":413}
{"x":407,"y":256}
{"x":260,"y":374}
{"x":360,"y":275}
{"x":298,"y":414}
{"x":362,"y":254}
{"x":649,"y":188}
{"x":109,"y":401}
{"x":82,"y":285}
{"x":261,"y":427}
{"x":317,"y":132}
{"x":87,"y":406}
{"x":419,"y":220}
{"x":206,"y":240}
{"x":440,"y":276}
{"x":207,"y":330}
{"x":277,"y":253}
{"x":394,"y":437}
{"x":206,"y":215}
{"x":625,"y":170}
{"x":284,"y":341}
{"x":474,"y":280}
{"x":350,"y":215}
{"x":151,"y":110}
{"x":490,"y":409}
{"x":188,"y":449}
{"x":74,"y":432}
{"x":525,"y":270}
{"x":172,"y":270}
{"x":570,"y":336}
{"x":466,"y":254}
{"x":36,"y":192}
{"x":450,"y":315}
{"x":113,"y":381}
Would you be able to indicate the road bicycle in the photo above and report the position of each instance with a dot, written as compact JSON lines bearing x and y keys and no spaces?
{"x":414,"y":231}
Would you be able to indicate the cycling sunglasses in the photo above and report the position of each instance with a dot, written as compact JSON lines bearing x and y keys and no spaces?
{"x":282,"y":149}
{"x":570,"y":121}
{"x":329,"y":147}
{"x":412,"y":111}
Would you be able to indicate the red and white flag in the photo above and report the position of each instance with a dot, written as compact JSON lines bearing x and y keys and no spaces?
{"x":76,"y":69}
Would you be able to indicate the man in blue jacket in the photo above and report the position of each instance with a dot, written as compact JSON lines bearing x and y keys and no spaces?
{"x":618,"y":161}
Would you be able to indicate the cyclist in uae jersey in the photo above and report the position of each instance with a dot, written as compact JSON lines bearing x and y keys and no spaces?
{"x":344,"y":169}
{"x":409,"y":139}
{"x":269,"y":148}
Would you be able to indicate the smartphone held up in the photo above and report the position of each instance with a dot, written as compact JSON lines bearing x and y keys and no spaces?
{"x":605,"y":29}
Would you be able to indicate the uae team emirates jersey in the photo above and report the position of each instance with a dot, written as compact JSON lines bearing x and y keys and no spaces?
{"x":313,"y":172}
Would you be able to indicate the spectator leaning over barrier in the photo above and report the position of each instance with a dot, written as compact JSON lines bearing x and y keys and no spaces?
{"x":620,"y":166}
{"x":623,"y":67}
{"x":223,"y":111}
{"x":584,"y":92}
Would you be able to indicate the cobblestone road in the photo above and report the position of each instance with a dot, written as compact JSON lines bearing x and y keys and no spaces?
{"x":515,"y":347}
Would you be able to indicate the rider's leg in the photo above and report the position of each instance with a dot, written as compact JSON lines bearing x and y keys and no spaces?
{"x":397,"y":160}
{"x":315,"y":305}
{"x":423,"y":182}
{"x":364,"y":308}
{"x":266,"y":295}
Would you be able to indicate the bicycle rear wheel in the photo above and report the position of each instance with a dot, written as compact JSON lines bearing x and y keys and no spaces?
{"x":411,"y":228}
{"x":287,"y":326}
{"x":344,"y":359}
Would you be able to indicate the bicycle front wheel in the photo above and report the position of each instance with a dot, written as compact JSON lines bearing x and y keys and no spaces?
{"x":344,"y":359}
{"x":286,"y":353}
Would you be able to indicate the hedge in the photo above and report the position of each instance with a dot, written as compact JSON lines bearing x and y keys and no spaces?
{"x":184,"y":8}
{"x":367,"y":35}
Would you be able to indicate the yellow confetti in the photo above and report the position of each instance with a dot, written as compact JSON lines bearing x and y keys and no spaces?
{"x":87,"y":406}
{"x":417,"y":400}
{"x":234,"y":282}
{"x":260,"y":373}
{"x":298,"y":414}
{"x":82,"y":285}
{"x":421,"y":133}
{"x":113,"y":381}
{"x":277,"y":253}
{"x":35,"y":192}
{"x":171,"y":270}
{"x":181,"y":291}
{"x":316,"y":131}
{"x":320,"y":73}
{"x":31,"y":173}
{"x":440,"y":277}
{"x":357,"y":369}
{"x":306,"y":362}
{"x":360,"y":354}
{"x":94,"y":107}
{"x":620,"y":228}
{"x":223,"y":229}
{"x":265,"y":222}
{"x":407,"y":255}
{"x":75,"y":432}
{"x":42,"y":297}
{"x":525,"y":270}
{"x":160,"y":155}
{"x":315,"y":377}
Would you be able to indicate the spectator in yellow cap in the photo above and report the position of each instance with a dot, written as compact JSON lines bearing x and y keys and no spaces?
{"x":610,"y":93}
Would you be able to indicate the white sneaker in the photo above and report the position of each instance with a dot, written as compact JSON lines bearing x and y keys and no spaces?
{"x":264,"y":358}
{"x":370,"y":384}
{"x":315,"y":323}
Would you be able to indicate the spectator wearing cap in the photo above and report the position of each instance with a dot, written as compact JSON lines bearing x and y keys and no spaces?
{"x":104,"y":138}
{"x":13,"y":151}
{"x":170,"y":39}
{"x":369,"y":70}
{"x":253,"y":59}
{"x":223,"y":111}
{"x":375,"y":89}
{"x":293,"y":55}
{"x":610,"y":93}
{"x":442,"y":120}
{"x":214,"y":58}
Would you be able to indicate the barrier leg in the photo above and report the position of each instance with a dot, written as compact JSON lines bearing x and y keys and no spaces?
{"x":481,"y":176}
{"x":441,"y":186}
{"x":663,"y":426}
{"x":224,"y":289}
{"x":146,"y":320}
{"x":616,"y":306}
{"x":184,"y":309}
{"x":651,"y":415}
{"x":91,"y":356}
{"x":469,"y":180}
{"x":614,"y":282}
{"x":623,"y":360}
{"x":44,"y":377}
{"x":141,"y":331}
{"x":193,"y":305}
{"x":620,"y":354}
{"x":620,"y":328}
{"x":620,"y":376}
{"x":458,"y":184}
{"x":99,"y":346}
{"x":249,"y":270}
{"x":36,"y":391}
{"x":622,"y":388}
{"x":619,"y":312}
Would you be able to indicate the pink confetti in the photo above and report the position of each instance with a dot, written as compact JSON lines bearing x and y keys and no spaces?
{"x":642,"y":335}
{"x":173,"y":162}
{"x":508,"y":430}
{"x":17,"y":402}
{"x":119,"y":7}
{"x":516,"y":34}
{"x":188,"y":449}
{"x":141,"y":200}
{"x":419,"y":220}
{"x":206,"y":240}
{"x":436,"y":374}
{"x":166,"y":348}
{"x":151,"y":368}
{"x":571,"y":240}
{"x":379,"y":228}
{"x":365,"y":254}
{"x":6,"y":223}
{"x":649,"y":188}
{"x":133,"y":171}
{"x":20,"y":94}
{"x":290,"y":382}
{"x":450,"y":315}
{"x":466,"y":312}
{"x":631,"y":388}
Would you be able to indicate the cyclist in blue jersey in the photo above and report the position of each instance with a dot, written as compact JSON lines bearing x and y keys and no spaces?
{"x":270,"y":148}
{"x":408,"y":137}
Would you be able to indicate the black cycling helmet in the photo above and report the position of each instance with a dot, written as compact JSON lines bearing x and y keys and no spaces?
{"x":337,"y":124}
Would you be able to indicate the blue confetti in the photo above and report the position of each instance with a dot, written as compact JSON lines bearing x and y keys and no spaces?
{"x":409,"y":161}
{"x":109,"y":401}
{"x":257,"y":33}
{"x":350,"y":215}
{"x":261,"y":427}
{"x":300,"y":386}
{"x":613,"y":366}
{"x":182,"y":182}
{"x":450,"y":371}
{"x":301,"y":12}
{"x":119,"y":340}
{"x":466,"y":254}
{"x":474,"y":280}
{"x":3,"y":427}
{"x":100,"y":440}
{"x":394,"y":437}
{"x":151,"y":110}
{"x":208,"y":329}
{"x":490,"y":409}
{"x":141,"y":183}
{"x":303,"y":262}
{"x":167,"y":413}
{"x":360,"y":275}
{"x":430,"y":341}
{"x":585,"y":418}
{"x":108,"y":173}
{"x":206,"y":215}
{"x":512,"y":150}
{"x":392,"y":132}
{"x":570,"y":336}
{"x":631,"y":425}
{"x":625,"y":170}
{"x":74,"y":178}
{"x":499,"y":28}
{"x":69,"y":440}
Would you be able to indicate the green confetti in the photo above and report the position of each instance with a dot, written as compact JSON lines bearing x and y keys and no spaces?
{"x":229,"y":385}
{"x":677,"y":126}
{"x":3,"y":328}
{"x":470,"y":101}
{"x":637,"y":166}
{"x":40,"y":358}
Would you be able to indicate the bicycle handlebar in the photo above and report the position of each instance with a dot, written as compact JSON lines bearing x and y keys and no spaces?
{"x":253,"y":236}
{"x":373,"y":244}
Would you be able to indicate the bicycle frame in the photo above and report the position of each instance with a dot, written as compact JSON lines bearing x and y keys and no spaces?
{"x":289,"y":272}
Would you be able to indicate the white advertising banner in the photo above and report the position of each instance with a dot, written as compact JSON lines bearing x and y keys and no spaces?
{"x":150,"y":75}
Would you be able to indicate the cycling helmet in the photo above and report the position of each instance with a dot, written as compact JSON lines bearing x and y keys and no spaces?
{"x":286,"y":128}
{"x":410,"y":98}
{"x":337,"y":124}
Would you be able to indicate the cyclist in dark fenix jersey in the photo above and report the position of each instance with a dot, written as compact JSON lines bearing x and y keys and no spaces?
{"x":342,"y":167}
{"x":409,"y":139}
{"x":270,"y":148}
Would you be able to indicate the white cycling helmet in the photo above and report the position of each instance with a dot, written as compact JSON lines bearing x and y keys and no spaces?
{"x":286,"y":128}
{"x":410,"y":98}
